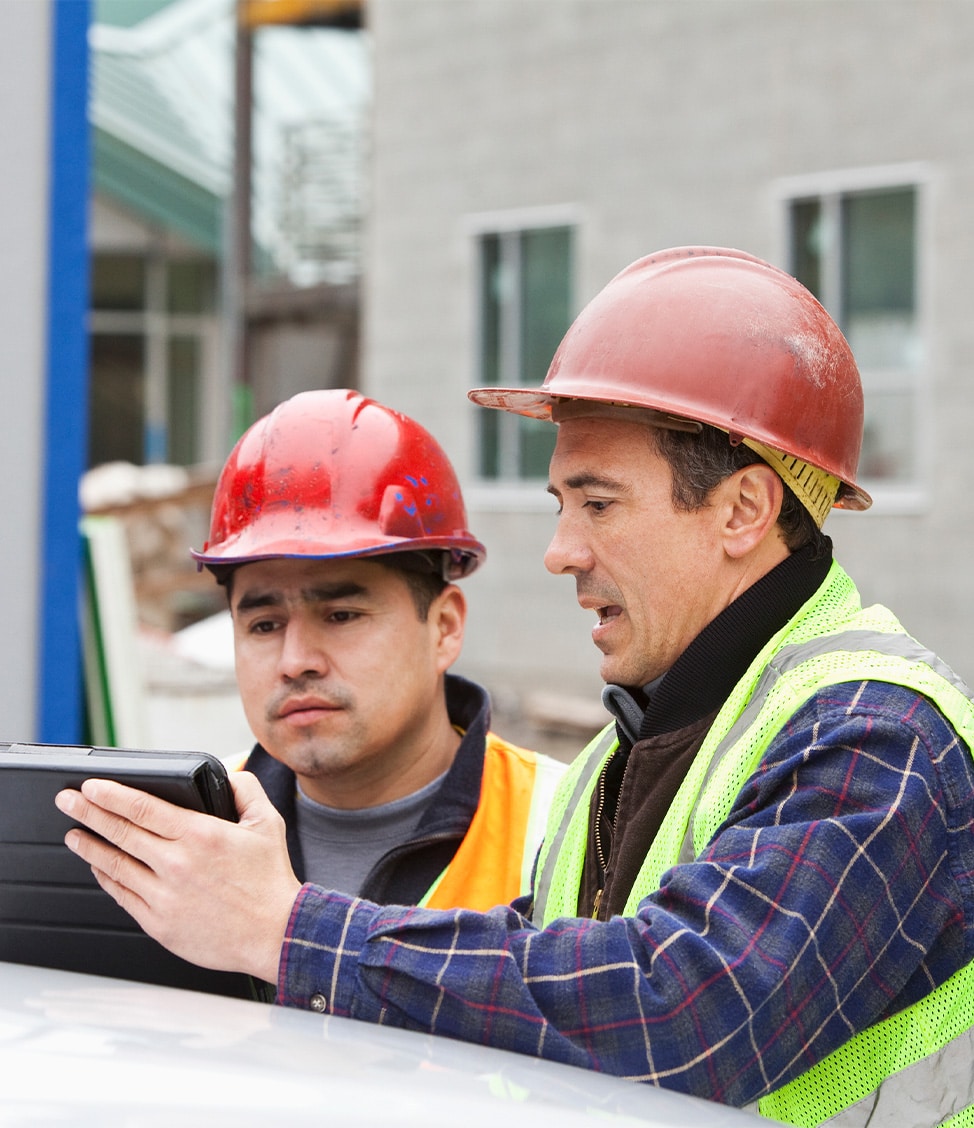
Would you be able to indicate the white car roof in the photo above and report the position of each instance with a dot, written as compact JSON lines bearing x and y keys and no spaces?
{"x":84,"y":1050}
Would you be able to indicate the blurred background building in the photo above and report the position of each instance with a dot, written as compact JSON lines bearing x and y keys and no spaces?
{"x":416,"y":196}
{"x":229,"y":156}
{"x":526,"y":152}
{"x":169,"y":278}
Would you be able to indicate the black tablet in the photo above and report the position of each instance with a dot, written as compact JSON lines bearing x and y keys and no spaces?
{"x":52,"y":911}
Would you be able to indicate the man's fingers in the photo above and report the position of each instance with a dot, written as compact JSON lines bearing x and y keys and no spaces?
{"x":108,"y":826}
{"x":114,"y":863}
{"x":131,"y":806}
{"x":132,"y":827}
{"x":121,"y":892}
{"x":123,"y":877}
{"x":217,"y":893}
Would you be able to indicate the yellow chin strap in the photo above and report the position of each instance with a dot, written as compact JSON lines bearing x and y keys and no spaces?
{"x":815,"y":489}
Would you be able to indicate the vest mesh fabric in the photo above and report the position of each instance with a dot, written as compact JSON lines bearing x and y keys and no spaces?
{"x":859,"y":1067}
{"x":562,"y":853}
{"x":963,"y":1119}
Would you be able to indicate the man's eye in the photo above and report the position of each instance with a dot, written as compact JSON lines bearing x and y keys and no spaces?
{"x":597,"y":505}
{"x":342,"y":616}
{"x":262,"y":626}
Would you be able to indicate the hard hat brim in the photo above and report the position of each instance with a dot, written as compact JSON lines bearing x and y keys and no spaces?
{"x":537,"y":403}
{"x":533,"y":402}
{"x":464,"y":557}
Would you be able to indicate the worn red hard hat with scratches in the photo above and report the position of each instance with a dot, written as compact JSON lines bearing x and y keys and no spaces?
{"x":716,"y":336}
{"x":331,"y":473}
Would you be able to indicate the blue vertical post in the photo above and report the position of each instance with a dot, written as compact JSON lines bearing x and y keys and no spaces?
{"x":60,"y":685}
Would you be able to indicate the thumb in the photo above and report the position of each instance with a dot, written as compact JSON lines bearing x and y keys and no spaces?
{"x":250,"y":799}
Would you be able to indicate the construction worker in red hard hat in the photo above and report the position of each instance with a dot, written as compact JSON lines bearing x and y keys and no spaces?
{"x":338,"y":529}
{"x":755,"y":884}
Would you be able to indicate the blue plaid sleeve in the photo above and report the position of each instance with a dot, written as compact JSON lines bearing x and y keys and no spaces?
{"x":838,"y":891}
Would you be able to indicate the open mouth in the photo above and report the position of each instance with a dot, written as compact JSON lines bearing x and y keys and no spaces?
{"x":607,"y":613}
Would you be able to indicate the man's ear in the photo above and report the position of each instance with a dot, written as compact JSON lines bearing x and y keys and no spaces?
{"x":447,"y":618}
{"x":751,"y":500}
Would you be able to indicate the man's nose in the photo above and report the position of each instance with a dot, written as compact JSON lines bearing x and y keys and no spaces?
{"x":302,"y":654}
{"x":568,"y":553}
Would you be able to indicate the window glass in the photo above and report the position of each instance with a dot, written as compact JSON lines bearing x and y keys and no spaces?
{"x":878,"y":278}
{"x":150,"y":318}
{"x":856,"y":251}
{"x":525,"y":310}
{"x":491,"y":302}
{"x":490,"y":442}
{"x":116,"y":399}
{"x":806,"y":243}
{"x":191,"y":287}
{"x":118,"y":282}
{"x":183,"y":407}
{"x":545,"y":296}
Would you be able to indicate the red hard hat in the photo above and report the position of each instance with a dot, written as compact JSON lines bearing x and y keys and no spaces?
{"x":331,"y":473}
{"x":715,"y":336}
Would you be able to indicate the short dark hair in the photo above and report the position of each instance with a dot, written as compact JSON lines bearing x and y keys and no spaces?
{"x":423,"y":573}
{"x":700,"y":461}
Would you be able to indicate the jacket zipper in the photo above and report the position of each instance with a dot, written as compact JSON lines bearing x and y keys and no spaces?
{"x":599,"y":853}
{"x":600,"y":857}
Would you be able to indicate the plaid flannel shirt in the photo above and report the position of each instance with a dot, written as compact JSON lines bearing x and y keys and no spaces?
{"x":839,"y":890}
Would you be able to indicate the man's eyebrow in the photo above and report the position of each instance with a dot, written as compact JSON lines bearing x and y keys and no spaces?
{"x":253,"y":599}
{"x":589,"y":479}
{"x":324,"y":593}
{"x":320,"y":593}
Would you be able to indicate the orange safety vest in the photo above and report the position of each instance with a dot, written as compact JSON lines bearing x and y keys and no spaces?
{"x":494,"y":862}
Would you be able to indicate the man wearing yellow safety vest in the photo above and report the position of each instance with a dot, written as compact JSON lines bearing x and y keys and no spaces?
{"x":757,"y":886}
{"x":338,"y":529}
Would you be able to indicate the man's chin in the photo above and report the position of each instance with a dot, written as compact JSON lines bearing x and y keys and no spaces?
{"x":614,"y":671}
{"x":611,"y":673}
{"x":303,"y":747}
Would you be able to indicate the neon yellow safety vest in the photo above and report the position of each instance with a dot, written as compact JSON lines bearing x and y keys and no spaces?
{"x":913,"y":1070}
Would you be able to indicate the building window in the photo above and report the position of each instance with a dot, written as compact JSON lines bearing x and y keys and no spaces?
{"x":525,"y":309}
{"x":153,"y":338}
{"x":857,"y":252}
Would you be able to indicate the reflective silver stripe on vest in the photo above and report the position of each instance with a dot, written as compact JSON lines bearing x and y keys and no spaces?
{"x":543,"y":885}
{"x":922,"y":1095}
{"x":892,"y":644}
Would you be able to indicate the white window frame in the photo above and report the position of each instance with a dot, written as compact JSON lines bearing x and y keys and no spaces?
{"x":156,"y":327}
{"x":913,"y":497}
{"x":511,"y":494}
